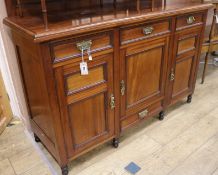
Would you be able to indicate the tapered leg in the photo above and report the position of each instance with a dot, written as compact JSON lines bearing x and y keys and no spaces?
{"x":189,"y":99}
{"x":205,"y":68}
{"x":161,"y":115}
{"x":115,"y":143}
{"x":37,"y":139}
{"x":64,"y":170}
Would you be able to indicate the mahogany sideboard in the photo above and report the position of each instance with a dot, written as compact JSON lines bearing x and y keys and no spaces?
{"x":92,"y":69}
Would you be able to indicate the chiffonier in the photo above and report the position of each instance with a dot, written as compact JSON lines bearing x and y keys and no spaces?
{"x":93,"y":68}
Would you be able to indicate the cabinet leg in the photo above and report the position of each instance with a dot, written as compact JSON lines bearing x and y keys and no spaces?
{"x":205,"y":68}
{"x":37,"y":139}
{"x":189,"y":99}
{"x":64,"y":170}
{"x":115,"y":143}
{"x":161,"y":115}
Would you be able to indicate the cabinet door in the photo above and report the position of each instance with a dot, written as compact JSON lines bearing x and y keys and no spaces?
{"x":143,"y":75}
{"x":185,"y":60}
{"x":86,"y":104}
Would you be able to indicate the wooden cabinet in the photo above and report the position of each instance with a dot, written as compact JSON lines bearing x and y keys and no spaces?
{"x":141,"y":58}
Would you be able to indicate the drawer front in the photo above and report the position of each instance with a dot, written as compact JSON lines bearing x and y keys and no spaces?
{"x":136,"y":33}
{"x":189,"y":20}
{"x":71,"y":48}
{"x":143,"y":114}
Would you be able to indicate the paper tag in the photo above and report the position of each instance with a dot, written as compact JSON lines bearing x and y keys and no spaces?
{"x":90,"y":57}
{"x":217,"y":19}
{"x":84,"y":68}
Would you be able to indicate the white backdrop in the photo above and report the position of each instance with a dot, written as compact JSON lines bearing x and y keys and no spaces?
{"x":10,"y":71}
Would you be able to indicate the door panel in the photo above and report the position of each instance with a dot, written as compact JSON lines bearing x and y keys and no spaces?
{"x":89,"y":122}
{"x":76,"y":81}
{"x":187,"y":44}
{"x":182,"y":76}
{"x":185,"y":56}
{"x":144,"y":66}
{"x":85,"y":102}
{"x":144,"y":73}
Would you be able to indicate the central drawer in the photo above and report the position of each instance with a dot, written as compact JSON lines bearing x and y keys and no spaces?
{"x":136,"y":33}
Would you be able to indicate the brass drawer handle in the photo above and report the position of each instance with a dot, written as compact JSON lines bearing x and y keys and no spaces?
{"x":112,"y":101}
{"x":143,"y":114}
{"x":172,"y":75}
{"x":190,"y":20}
{"x":148,"y":30}
{"x":122,"y":87}
{"x":84,"y":45}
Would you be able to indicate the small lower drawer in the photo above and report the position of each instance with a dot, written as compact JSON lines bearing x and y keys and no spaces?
{"x":142,"y":115}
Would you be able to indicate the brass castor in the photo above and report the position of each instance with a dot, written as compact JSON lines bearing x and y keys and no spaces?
{"x":161,"y":115}
{"x":37,"y":139}
{"x":115,"y":143}
{"x":189,"y":99}
{"x":65,"y":170}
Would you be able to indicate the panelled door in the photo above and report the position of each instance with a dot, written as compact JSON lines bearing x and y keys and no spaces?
{"x":143,"y":75}
{"x":87,"y":103}
{"x":185,"y":57}
{"x":5,"y":109}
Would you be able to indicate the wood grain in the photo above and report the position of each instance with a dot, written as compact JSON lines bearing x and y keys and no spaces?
{"x":130,"y":72}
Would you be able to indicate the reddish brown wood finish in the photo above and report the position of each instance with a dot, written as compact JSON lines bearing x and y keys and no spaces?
{"x":136,"y":33}
{"x":143,"y":71}
{"x":185,"y":62}
{"x":182,"y":21}
{"x":133,"y":75}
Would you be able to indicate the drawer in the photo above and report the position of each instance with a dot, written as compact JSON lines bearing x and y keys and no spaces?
{"x":189,"y":20}
{"x":70,"y":48}
{"x":143,"y":114}
{"x":136,"y":33}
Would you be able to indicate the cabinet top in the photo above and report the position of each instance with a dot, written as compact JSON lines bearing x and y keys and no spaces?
{"x":59,"y":19}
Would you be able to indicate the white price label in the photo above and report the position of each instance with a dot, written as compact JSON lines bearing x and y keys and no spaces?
{"x":84,"y":68}
{"x":90,"y":57}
